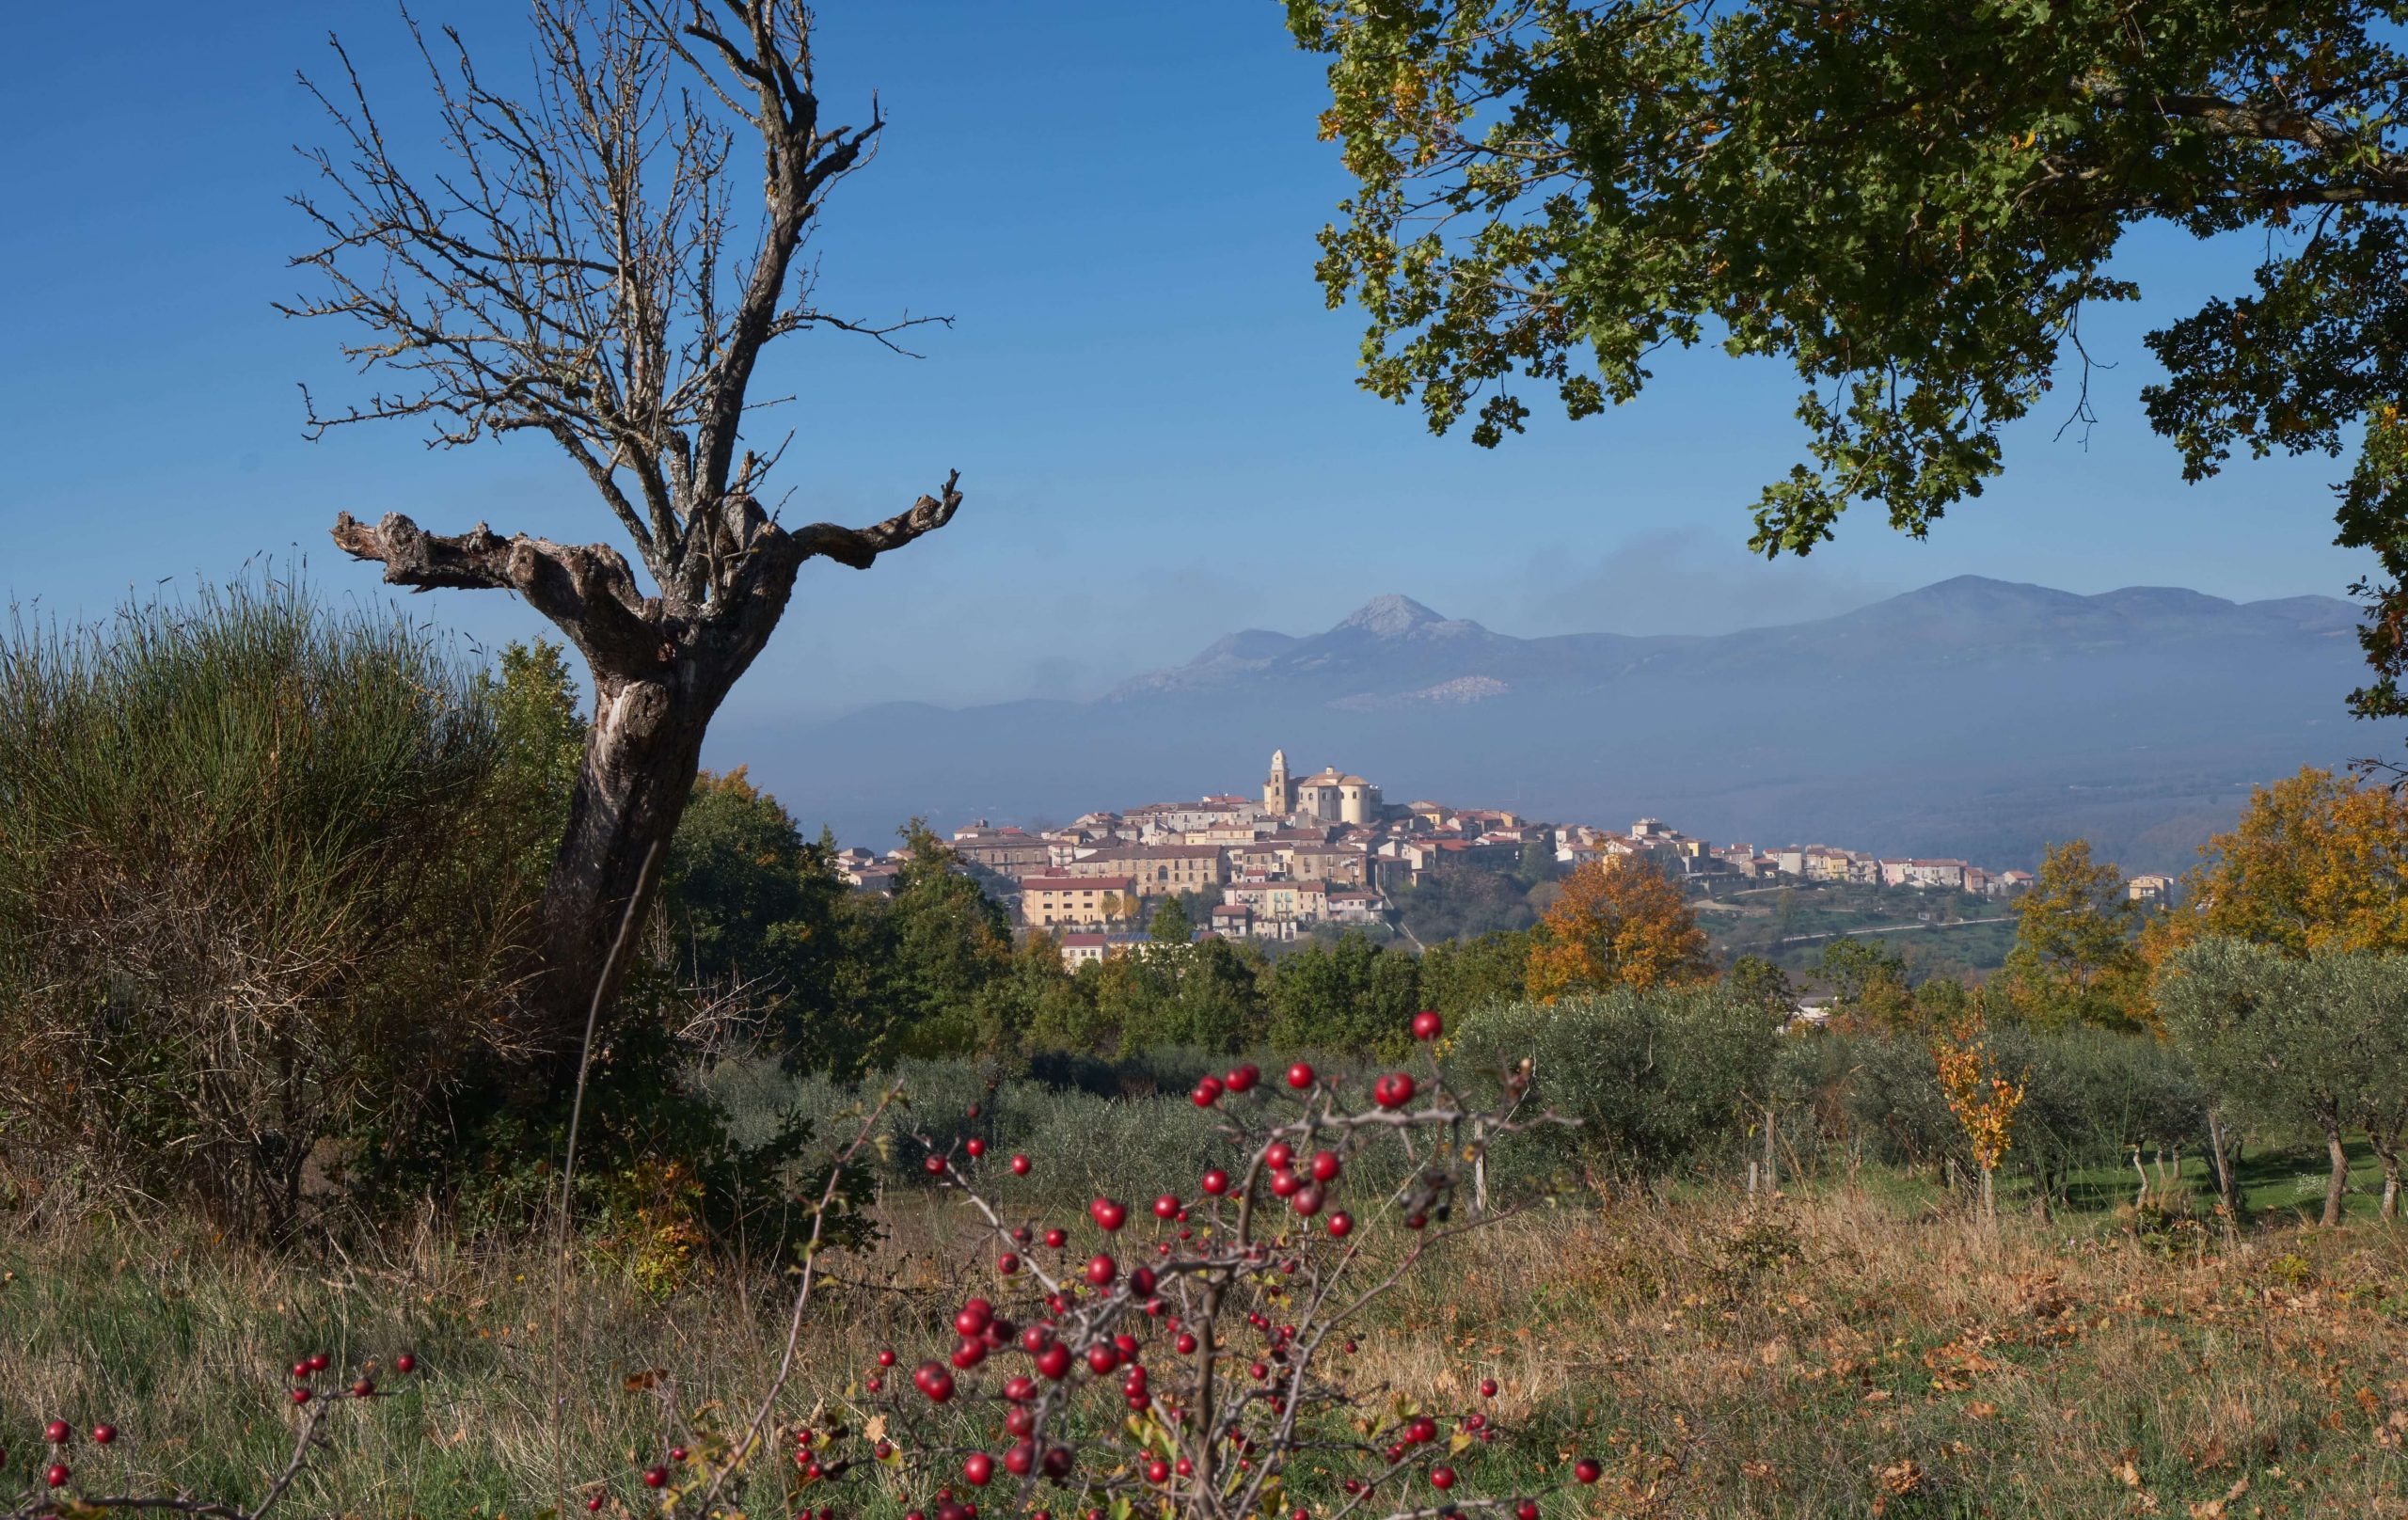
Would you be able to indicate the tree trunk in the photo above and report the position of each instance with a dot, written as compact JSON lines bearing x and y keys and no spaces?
{"x":1772,"y":1172}
{"x":2222,"y":1157}
{"x":2339,"y":1184}
{"x":1989,"y":1193}
{"x":641,"y":758}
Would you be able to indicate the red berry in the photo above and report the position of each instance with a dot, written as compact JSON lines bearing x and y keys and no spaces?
{"x":1300,"y":1075}
{"x":1101,"y":1269}
{"x":103,"y":1434}
{"x":975,"y":1147}
{"x":1166,"y":1207}
{"x":1393,"y":1091}
{"x":1006,"y":1263}
{"x":975,"y":1316}
{"x":58,"y":1475}
{"x":1022,"y":1459}
{"x":1055,"y":1361}
{"x":363,"y":1389}
{"x":1428,"y":1025}
{"x":592,"y":1503}
{"x":933,"y":1165}
{"x":676,"y":1453}
{"x":1102,"y":1358}
{"x":405,"y":1363}
{"x":1488,"y":1387}
{"x":1284,"y":1184}
{"x":1020,"y":1166}
{"x":1244,"y":1078}
{"x":1157,"y":1471}
{"x":1216,"y":1181}
{"x":1307,"y":1201}
{"x":320,"y":1361}
{"x":1208,"y":1092}
{"x":1527,"y":1510}
{"x":972,"y":1111}
{"x":656,"y":1477}
{"x":1588,"y":1470}
{"x":1442,"y":1478}
{"x":886,"y":1358}
{"x":1186,"y":1344}
{"x":933,"y":1380}
{"x":1277,"y":1154}
{"x":300,"y":1396}
{"x":58,"y":1433}
{"x":1325,"y":1165}
{"x":1423,"y":1431}
{"x":1341,"y":1225}
{"x":979,"y":1468}
{"x":1058,"y":1238}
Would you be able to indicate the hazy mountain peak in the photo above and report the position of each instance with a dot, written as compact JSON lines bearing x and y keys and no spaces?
{"x":1392,"y":616}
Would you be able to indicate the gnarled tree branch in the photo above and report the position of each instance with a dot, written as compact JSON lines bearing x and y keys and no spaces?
{"x":587,"y":590}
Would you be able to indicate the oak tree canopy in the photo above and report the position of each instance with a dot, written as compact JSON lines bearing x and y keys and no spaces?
{"x":1910,"y":203}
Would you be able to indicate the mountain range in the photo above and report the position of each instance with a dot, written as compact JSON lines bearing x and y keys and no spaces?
{"x":1972,"y":717}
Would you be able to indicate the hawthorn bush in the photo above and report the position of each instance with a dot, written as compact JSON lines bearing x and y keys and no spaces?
{"x":1186,"y":1357}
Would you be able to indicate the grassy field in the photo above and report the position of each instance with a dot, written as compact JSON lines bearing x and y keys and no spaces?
{"x":1862,"y":1349}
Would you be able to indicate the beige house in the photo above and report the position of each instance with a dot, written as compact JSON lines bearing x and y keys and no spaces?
{"x":1158,"y":870}
{"x":1004,"y":851}
{"x":1077,"y":902}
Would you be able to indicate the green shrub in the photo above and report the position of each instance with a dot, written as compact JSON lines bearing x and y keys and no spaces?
{"x":1656,"y":1079}
{"x":260,"y":878}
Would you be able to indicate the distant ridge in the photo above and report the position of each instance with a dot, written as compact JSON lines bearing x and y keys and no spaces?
{"x":1970,"y":717}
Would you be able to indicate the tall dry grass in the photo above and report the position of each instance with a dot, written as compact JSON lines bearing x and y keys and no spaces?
{"x":1839,"y":1355}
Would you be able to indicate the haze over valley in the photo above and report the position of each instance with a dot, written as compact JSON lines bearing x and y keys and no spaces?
{"x":1973,"y":718}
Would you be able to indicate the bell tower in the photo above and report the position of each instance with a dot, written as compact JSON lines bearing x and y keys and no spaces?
{"x":1279,"y":793}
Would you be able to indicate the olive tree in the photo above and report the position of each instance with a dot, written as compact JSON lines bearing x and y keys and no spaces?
{"x":594,"y":260}
{"x":2276,"y":1039}
{"x":2368,"y":1001}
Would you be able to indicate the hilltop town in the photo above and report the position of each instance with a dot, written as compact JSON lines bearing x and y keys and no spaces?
{"x":1328,"y":849}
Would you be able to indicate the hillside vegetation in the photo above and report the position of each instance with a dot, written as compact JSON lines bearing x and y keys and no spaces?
{"x":2112,"y":1228}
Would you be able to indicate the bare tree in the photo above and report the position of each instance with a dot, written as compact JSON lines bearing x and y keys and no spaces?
{"x":578,"y":265}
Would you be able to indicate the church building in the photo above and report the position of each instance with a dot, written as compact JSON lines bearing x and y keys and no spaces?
{"x":1327,"y":795}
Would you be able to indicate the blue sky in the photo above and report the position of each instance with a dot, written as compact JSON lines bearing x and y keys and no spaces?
{"x":1153,"y":413}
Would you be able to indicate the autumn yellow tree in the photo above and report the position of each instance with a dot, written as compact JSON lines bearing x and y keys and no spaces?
{"x":1617,"y":924}
{"x":1983,"y":1102}
{"x":2318,"y":861}
{"x":2075,"y":961}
